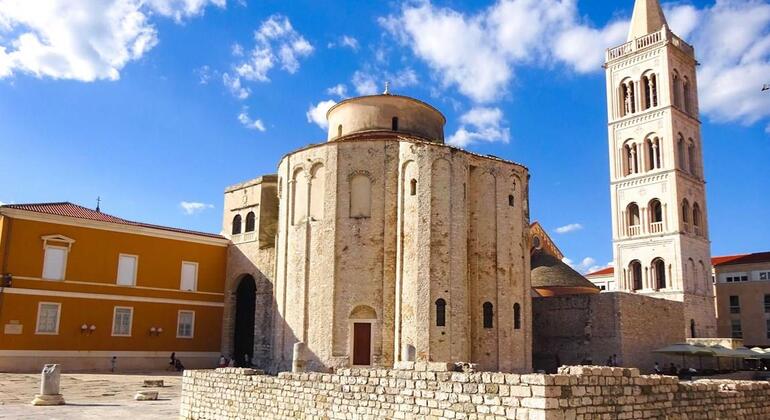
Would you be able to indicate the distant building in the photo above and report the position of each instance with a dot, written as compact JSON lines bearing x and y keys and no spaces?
{"x":742,"y":284}
{"x":604,"y":279}
{"x":86,"y":286}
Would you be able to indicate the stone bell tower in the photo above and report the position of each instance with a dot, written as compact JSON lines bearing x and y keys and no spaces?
{"x":661,"y":245}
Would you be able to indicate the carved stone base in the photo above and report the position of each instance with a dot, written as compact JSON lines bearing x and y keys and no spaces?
{"x":146,"y":396}
{"x":55,"y":399}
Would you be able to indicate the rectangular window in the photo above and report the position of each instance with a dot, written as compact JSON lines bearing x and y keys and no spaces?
{"x":767,"y":304}
{"x":48,"y":318}
{"x":764,"y":275}
{"x":54,"y":262}
{"x":189,"y":276}
{"x":767,"y":327}
{"x":735,"y":305}
{"x":185,"y":324}
{"x":737,"y":331}
{"x":744,"y":278}
{"x":121,"y":321}
{"x":127,"y":269}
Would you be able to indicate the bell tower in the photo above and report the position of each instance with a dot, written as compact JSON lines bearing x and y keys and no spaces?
{"x":661,"y":241}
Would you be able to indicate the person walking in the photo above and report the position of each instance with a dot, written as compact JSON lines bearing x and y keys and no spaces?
{"x":113,"y":363}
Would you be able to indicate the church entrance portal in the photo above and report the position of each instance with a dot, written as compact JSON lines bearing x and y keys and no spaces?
{"x":362,"y":343}
{"x":245,"y":304}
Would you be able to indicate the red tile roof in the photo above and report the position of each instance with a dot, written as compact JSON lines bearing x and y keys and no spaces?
{"x":602,"y":272}
{"x":79,"y":212}
{"x":757,"y":257}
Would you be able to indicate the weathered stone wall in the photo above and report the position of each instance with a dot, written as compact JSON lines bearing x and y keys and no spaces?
{"x":577,"y":328}
{"x":577,"y":392}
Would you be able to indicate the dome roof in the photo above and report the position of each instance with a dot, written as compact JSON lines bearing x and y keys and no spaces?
{"x":385,"y":112}
{"x":551,"y":276}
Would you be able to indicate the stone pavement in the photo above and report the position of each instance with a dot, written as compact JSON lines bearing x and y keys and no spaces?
{"x":91,"y":396}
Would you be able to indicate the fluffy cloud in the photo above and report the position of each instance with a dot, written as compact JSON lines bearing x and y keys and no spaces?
{"x":586,"y":265}
{"x":339,"y":90}
{"x":316,"y":114}
{"x":276,"y":43}
{"x":248,"y":122}
{"x":572,"y":227}
{"x":732,"y":40}
{"x":233,"y":84}
{"x":85,"y":40}
{"x":345,"y":41}
{"x":480,"y":124}
{"x":192,"y":207}
{"x":364,"y":83}
{"x":479,"y":53}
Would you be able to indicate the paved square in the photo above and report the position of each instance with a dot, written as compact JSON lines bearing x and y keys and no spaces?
{"x":91,"y":396}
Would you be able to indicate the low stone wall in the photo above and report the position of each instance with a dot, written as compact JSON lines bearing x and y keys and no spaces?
{"x":431,"y":391}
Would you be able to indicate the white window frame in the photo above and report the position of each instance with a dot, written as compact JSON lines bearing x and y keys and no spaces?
{"x":181,"y":276}
{"x":58,"y":318}
{"x":178,"y":323}
{"x":64,"y":263}
{"x":136,"y":270}
{"x":130,"y":320}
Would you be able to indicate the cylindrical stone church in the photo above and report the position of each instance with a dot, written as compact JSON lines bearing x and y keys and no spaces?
{"x":392,"y":246}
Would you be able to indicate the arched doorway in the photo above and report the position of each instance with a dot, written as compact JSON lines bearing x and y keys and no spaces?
{"x":245,"y":304}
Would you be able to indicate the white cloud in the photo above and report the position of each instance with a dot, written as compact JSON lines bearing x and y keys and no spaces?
{"x":732,"y":41}
{"x":338,"y":90}
{"x":364,"y":83}
{"x":586,"y":265}
{"x":237,"y":50}
{"x":204,"y":74}
{"x":478,"y":53}
{"x":276,"y":43}
{"x":316,"y":114}
{"x":233,"y":84}
{"x":248,"y":122}
{"x":193,"y":207}
{"x":572,"y":227}
{"x":480,"y":124}
{"x":84,"y":40}
{"x":345,"y":41}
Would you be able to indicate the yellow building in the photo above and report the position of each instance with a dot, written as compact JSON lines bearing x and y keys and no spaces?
{"x":81,"y":286}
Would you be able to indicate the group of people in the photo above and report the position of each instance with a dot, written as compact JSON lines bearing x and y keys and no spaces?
{"x":225,"y":362}
{"x":174,"y":363}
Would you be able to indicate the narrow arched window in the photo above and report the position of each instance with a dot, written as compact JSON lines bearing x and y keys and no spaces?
{"x":440,"y":312}
{"x":516,"y":316}
{"x":413,"y":187}
{"x":394,"y":123}
{"x":635,"y":268}
{"x":339,"y":130}
{"x":680,"y":152}
{"x":692,"y":328}
{"x":236,"y":224}
{"x":510,"y":200}
{"x":632,"y":215}
{"x":659,"y":270}
{"x":691,"y":158}
{"x":250,"y":222}
{"x":696,"y":218}
{"x":654,"y":89}
{"x":487,"y":307}
{"x":677,"y":87}
{"x":686,"y":94}
{"x":646,"y":92}
{"x":686,"y":215}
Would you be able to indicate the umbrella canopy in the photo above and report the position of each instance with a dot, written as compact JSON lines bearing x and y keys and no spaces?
{"x":762,"y":353}
{"x":685,"y":349}
{"x":721,"y":351}
{"x":744,"y":353}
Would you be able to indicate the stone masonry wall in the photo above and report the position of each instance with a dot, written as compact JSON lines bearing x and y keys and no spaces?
{"x":431,"y":391}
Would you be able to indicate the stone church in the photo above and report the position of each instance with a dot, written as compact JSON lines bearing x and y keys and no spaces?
{"x":380,"y":245}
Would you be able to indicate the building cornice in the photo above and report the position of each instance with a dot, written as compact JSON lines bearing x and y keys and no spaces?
{"x":113,"y":227}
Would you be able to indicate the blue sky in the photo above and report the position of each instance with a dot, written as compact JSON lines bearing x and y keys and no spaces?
{"x":152,"y":104}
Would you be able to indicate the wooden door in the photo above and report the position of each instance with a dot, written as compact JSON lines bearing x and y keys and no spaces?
{"x":362,"y":343}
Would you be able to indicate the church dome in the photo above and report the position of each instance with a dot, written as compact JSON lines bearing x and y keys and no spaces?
{"x":385,"y":112}
{"x":552,"y":277}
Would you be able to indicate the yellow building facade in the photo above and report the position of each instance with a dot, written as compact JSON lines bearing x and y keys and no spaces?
{"x":82,"y":287}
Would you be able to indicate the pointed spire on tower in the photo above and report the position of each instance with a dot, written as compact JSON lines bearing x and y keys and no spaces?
{"x":647,"y":18}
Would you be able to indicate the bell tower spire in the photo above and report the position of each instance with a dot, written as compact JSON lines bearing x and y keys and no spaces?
{"x":647,"y":18}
